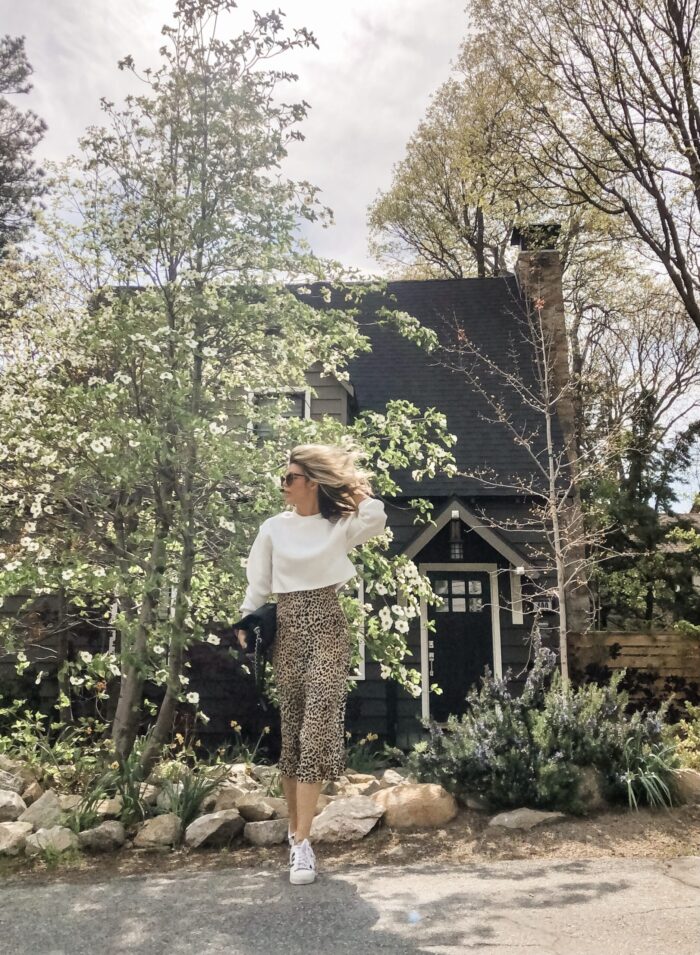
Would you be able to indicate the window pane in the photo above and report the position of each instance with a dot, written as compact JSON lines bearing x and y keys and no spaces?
{"x":474,"y":586}
{"x":458,"y":587}
{"x":475,"y":604}
{"x":440,"y":587}
{"x":459,"y":605}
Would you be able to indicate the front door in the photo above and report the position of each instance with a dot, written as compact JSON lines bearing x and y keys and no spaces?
{"x":461,"y":645}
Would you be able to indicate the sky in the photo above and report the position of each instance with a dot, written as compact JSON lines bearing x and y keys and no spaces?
{"x":368,"y":85}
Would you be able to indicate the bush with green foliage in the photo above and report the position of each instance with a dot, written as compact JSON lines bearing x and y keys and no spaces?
{"x":531,"y":749}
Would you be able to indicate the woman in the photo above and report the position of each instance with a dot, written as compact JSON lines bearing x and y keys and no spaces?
{"x":301,"y":556}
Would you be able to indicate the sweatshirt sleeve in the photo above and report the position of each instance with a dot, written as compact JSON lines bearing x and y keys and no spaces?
{"x":366,"y":523}
{"x":259,"y":572}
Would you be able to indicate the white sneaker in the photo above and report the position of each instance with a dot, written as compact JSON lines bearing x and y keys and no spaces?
{"x":303,"y":864}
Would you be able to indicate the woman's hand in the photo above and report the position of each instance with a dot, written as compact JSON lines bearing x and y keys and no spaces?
{"x":242,"y":638}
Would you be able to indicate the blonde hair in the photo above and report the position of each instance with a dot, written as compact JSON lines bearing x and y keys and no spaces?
{"x":334,"y":468}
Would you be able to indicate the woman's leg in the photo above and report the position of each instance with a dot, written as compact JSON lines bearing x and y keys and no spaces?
{"x":289,"y":785}
{"x":307,"y":797}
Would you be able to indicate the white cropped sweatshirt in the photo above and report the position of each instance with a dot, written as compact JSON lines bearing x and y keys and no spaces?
{"x":292,"y":552}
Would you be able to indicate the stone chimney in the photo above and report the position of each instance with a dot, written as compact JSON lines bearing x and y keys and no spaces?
{"x":539,"y":274}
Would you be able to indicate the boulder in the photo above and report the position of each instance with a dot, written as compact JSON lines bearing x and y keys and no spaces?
{"x":265,"y":775}
{"x":269,"y":832}
{"x":15,"y":767}
{"x":525,"y":818}
{"x":361,"y":789}
{"x":416,"y":805}
{"x":106,"y":837}
{"x":10,"y":782}
{"x":334,"y":786}
{"x":13,"y":836}
{"x":11,"y":805}
{"x":390,"y":778}
{"x":324,"y":801}
{"x":346,"y":819}
{"x":33,"y":791}
{"x":52,"y":839}
{"x":149,"y":793}
{"x":214,"y":829}
{"x":254,"y":808}
{"x":358,"y":778}
{"x":69,"y":802}
{"x":688,"y":783}
{"x":45,"y":812}
{"x":279,"y":807}
{"x":228,"y":796}
{"x":168,"y":795}
{"x":109,"y":808}
{"x":159,"y":832}
{"x":477,"y":802}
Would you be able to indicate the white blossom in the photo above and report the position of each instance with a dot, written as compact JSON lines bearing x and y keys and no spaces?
{"x":213,"y":639}
{"x":192,"y":698}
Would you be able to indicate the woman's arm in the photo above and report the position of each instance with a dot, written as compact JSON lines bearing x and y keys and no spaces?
{"x":258,"y":572}
{"x":367,"y":522}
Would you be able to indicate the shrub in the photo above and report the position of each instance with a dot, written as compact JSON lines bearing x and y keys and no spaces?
{"x":686,"y":733}
{"x":531,"y":749}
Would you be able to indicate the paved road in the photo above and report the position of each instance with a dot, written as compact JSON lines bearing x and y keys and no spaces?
{"x":597,"y":907}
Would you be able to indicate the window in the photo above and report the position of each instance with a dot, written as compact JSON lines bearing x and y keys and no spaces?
{"x":298,"y":406}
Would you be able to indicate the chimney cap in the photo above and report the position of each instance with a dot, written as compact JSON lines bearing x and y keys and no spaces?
{"x":541,"y":235}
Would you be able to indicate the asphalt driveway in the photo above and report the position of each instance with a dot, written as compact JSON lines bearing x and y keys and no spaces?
{"x":601,"y":906}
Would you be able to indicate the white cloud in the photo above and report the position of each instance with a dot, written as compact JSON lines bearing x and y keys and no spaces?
{"x":368,"y":85}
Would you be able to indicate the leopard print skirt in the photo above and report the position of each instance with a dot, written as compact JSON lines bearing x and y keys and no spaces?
{"x":311,"y":659}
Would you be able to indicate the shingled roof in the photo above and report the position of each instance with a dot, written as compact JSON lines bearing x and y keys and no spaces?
{"x":489,"y":310}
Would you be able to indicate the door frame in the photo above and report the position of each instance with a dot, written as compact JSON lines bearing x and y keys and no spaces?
{"x":492,"y":571}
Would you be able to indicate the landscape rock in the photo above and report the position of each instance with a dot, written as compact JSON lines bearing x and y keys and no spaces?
{"x":228,"y":796}
{"x":391,"y":778}
{"x":265,"y":775}
{"x":106,"y":837}
{"x":416,"y":805}
{"x":346,"y":819}
{"x":52,"y":838}
{"x":109,"y":808}
{"x":13,"y":836}
{"x":335,"y":786}
{"x":254,"y":808}
{"x":269,"y":832}
{"x":168,"y":795}
{"x":214,"y":829}
{"x":11,"y":805}
{"x":45,"y":812}
{"x":69,"y":802}
{"x":477,"y":802}
{"x":159,"y":832}
{"x":688,"y":783}
{"x":279,"y":807}
{"x":33,"y":791}
{"x":525,"y":818}
{"x":149,"y":793}
{"x":358,"y":778}
{"x":15,"y":767}
{"x":10,"y":782}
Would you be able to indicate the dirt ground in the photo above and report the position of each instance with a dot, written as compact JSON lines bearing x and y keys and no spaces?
{"x":649,"y":834}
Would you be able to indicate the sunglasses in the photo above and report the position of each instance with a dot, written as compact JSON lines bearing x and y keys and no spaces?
{"x":289,"y":478}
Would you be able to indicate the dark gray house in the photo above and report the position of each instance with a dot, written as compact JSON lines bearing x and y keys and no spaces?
{"x":474,"y":553}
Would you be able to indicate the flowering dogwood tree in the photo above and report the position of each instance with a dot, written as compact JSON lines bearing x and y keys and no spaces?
{"x":132,"y":475}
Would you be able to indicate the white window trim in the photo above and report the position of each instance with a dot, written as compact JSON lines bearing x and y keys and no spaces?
{"x":492,"y":571}
{"x":516,"y":598}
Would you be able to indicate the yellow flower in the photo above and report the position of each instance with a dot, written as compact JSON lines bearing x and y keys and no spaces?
{"x":266,"y":729}
{"x":235,"y":725}
{"x":180,"y":738}
{"x":114,"y":765}
{"x":371,"y":737}
{"x":348,"y":735}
